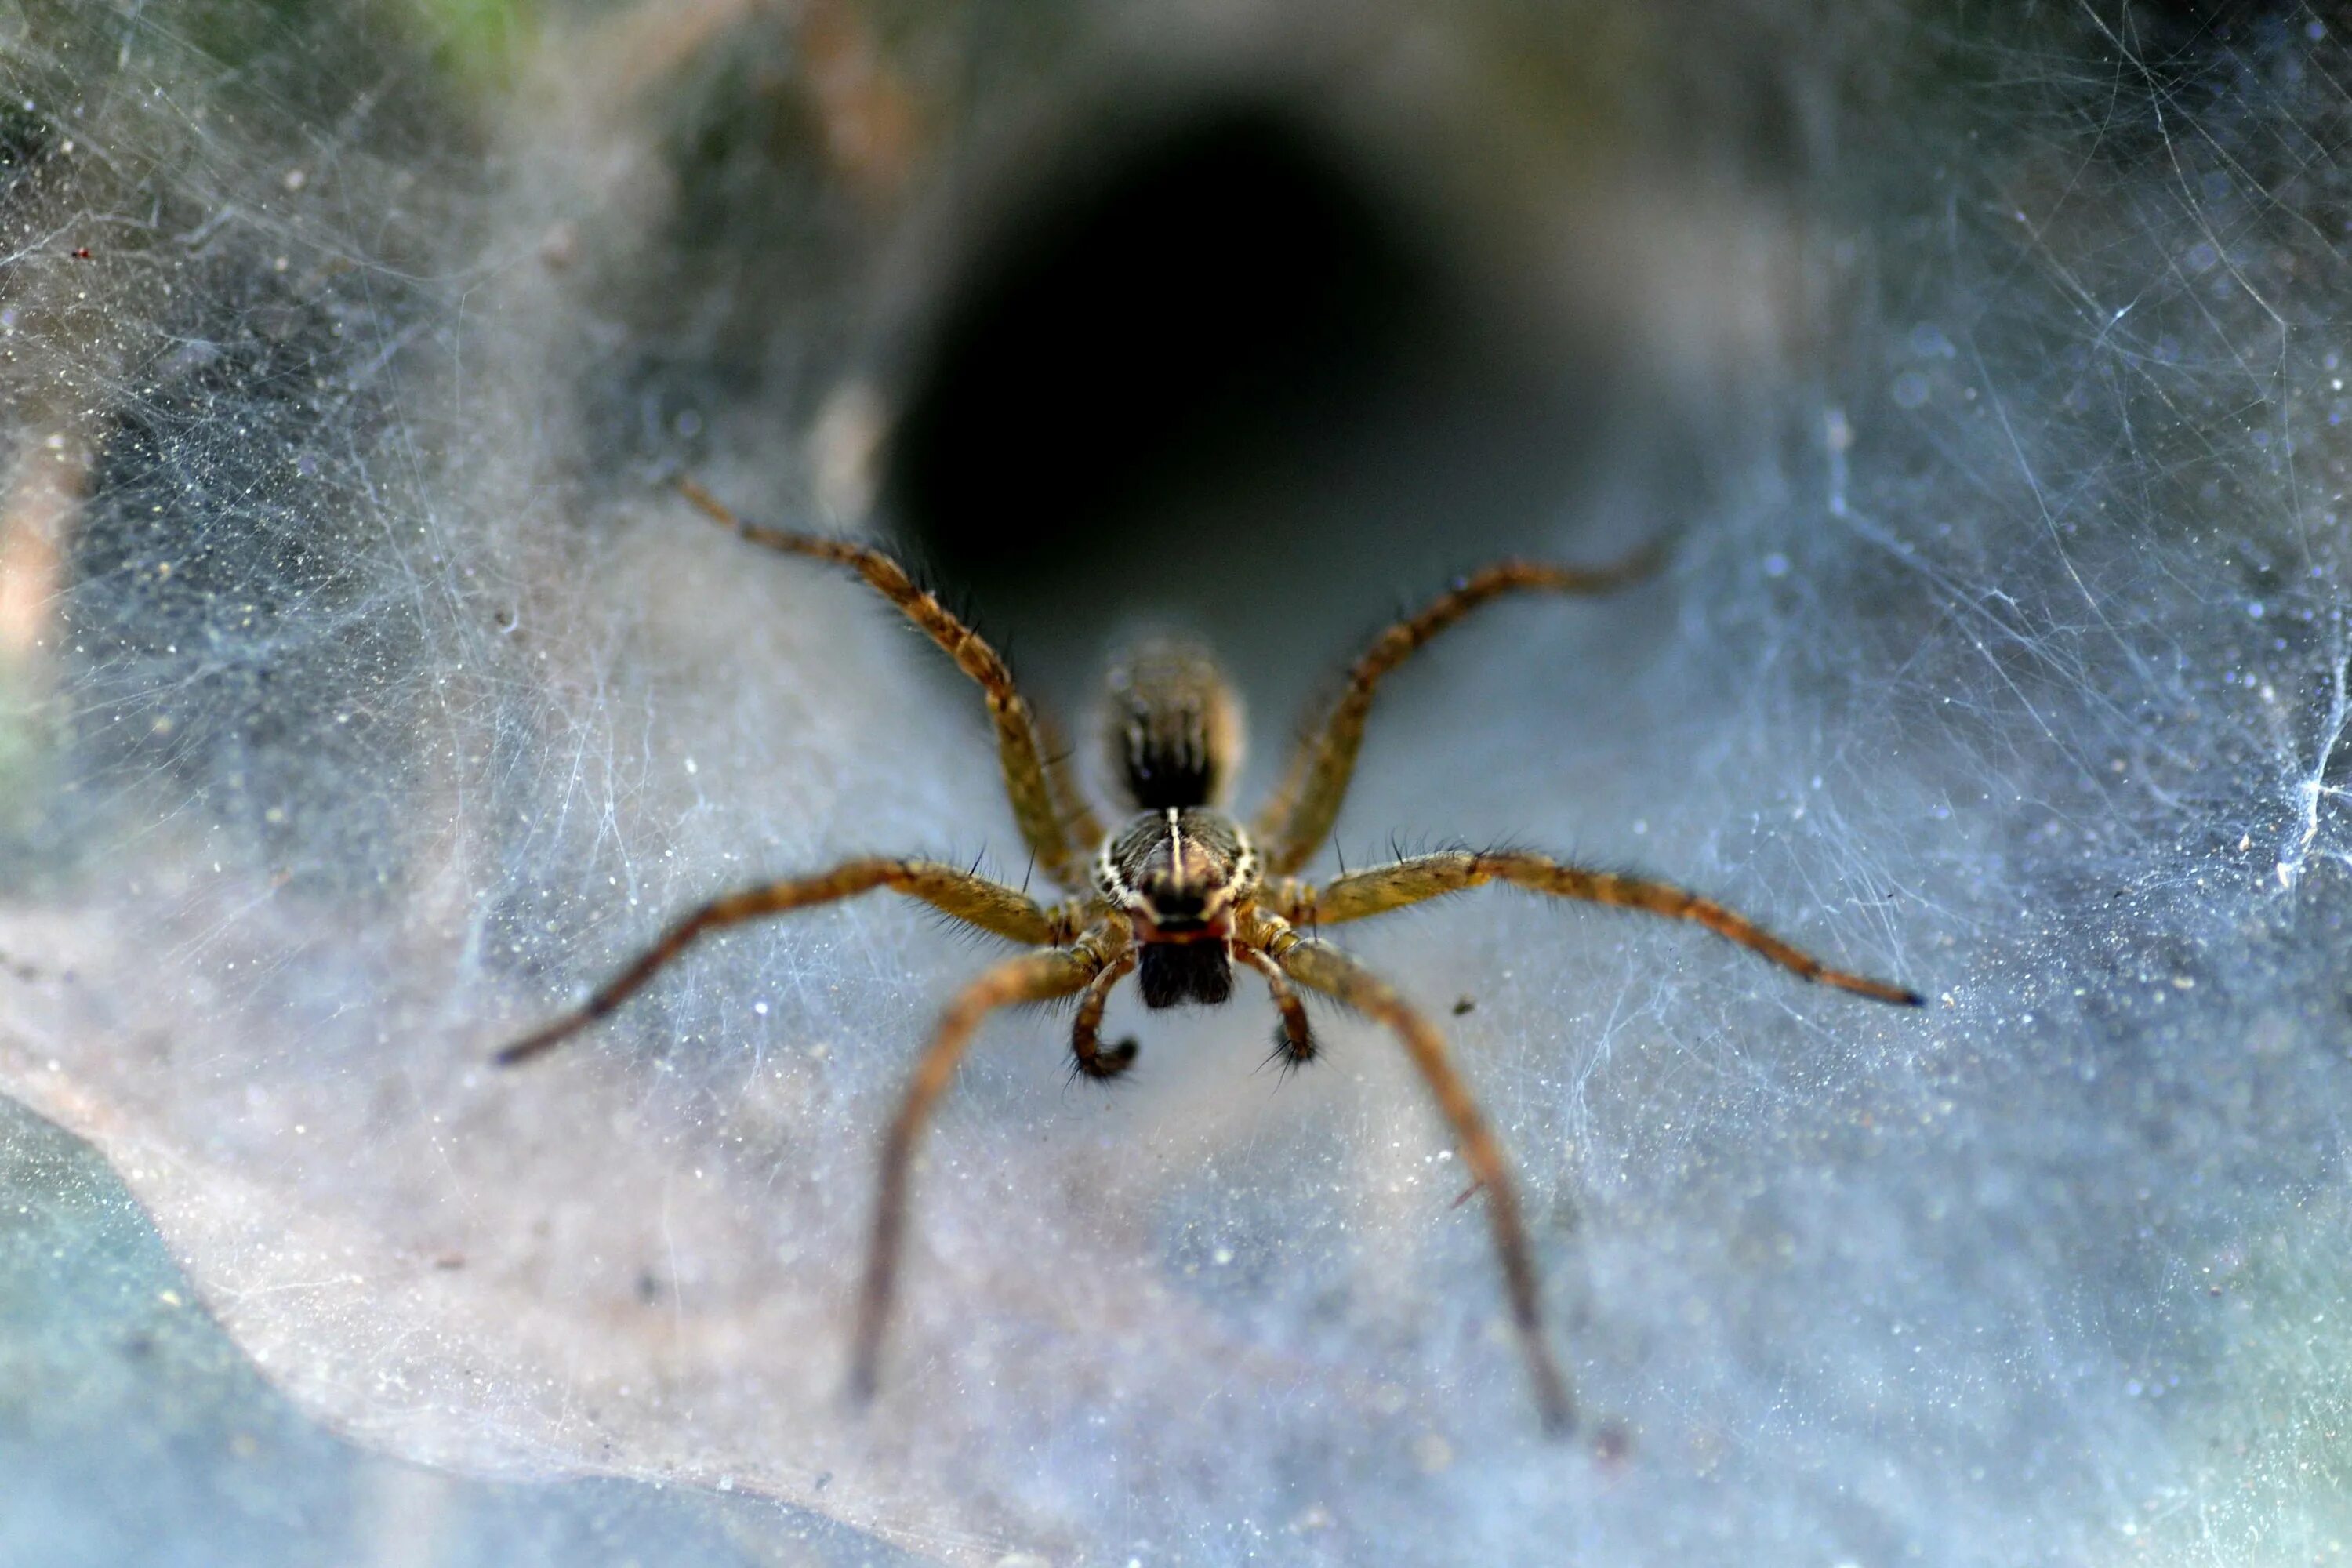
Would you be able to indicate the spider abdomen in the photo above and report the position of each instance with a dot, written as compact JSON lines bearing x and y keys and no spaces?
{"x":1175,"y":728}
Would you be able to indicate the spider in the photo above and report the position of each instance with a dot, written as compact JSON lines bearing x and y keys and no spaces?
{"x":1180,"y":891}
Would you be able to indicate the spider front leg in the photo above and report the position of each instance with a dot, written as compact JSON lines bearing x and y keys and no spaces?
{"x":1060,"y":828}
{"x":1031,"y":977}
{"x":1361,"y":894}
{"x":1320,"y":967}
{"x":971,"y":899}
{"x":1294,"y":823}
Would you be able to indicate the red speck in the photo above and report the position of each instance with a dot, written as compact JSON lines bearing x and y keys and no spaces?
{"x":82,"y":253}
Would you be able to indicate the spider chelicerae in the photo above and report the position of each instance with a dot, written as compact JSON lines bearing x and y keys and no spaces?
{"x":1180,"y":891}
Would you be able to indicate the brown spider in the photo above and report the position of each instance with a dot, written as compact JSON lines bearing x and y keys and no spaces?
{"x":1180,"y":890}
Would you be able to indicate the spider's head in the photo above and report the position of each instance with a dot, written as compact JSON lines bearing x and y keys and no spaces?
{"x":1179,"y":876}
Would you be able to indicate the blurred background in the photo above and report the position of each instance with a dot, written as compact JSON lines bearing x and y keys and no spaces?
{"x":366,"y":693}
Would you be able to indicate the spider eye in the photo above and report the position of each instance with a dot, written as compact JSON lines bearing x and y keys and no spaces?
{"x":1176,"y":906}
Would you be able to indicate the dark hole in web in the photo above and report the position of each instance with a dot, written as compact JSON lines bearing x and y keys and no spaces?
{"x":1215,"y":300}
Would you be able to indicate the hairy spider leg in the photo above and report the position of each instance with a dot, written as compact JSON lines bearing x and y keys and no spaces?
{"x":1088,"y":1057}
{"x":1321,"y":967}
{"x":1293,"y":1045}
{"x":1055,"y":821}
{"x":976,"y":900}
{"x":1031,"y":977}
{"x":1294,"y":823}
{"x":1364,"y":893}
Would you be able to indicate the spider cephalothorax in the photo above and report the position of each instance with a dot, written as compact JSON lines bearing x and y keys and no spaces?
{"x":1181,"y":875}
{"x":1181,"y":892}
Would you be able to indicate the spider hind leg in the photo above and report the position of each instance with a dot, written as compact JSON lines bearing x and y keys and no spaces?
{"x":1323,"y":968}
{"x":1039,"y":976}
